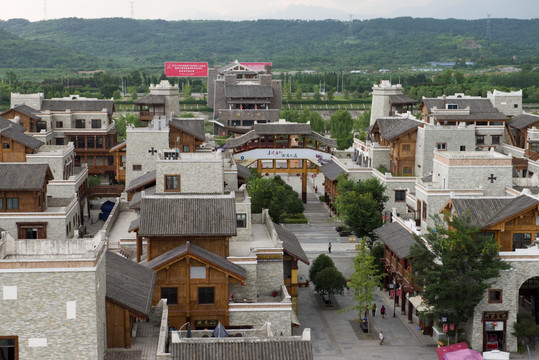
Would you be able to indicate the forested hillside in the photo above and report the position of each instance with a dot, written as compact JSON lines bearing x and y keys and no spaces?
{"x":290,"y":45}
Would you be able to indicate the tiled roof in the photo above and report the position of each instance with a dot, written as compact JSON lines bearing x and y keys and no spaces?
{"x":390,"y":128}
{"x":243,"y":348}
{"x":280,"y":129}
{"x":129,"y":284}
{"x":248,"y":91}
{"x":332,"y":170}
{"x":243,"y":171}
{"x":5,"y":123}
{"x":396,"y":237}
{"x":13,"y":132}
{"x":28,"y":111}
{"x":141,"y":181}
{"x":206,"y":256}
{"x":485,"y":212}
{"x":137,"y":197}
{"x":401,"y":100}
{"x":291,"y":244}
{"x":523,"y":120}
{"x":78,"y":105}
{"x":151,"y":99}
{"x":480,"y":109}
{"x":194,"y":215}
{"x":324,"y":140}
{"x":194,"y":127}
{"x":118,"y":146}
{"x":23,"y":176}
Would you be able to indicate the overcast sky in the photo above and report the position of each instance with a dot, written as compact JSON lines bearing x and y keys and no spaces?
{"x":35,"y":10}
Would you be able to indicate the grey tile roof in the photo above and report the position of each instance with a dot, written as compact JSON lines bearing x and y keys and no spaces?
{"x":194,"y":215}
{"x":129,"y":284}
{"x":291,"y":244}
{"x":78,"y":105}
{"x":280,"y":129}
{"x":136,"y":200}
{"x":480,"y":109}
{"x":194,"y":127}
{"x":523,"y":120}
{"x":5,"y":123}
{"x":151,"y":99}
{"x":332,"y":170}
{"x":248,"y":91}
{"x":14,"y":133}
{"x":243,"y":171}
{"x":396,"y":237}
{"x":485,"y":212}
{"x":401,"y":100}
{"x":392,"y":127}
{"x":28,"y":111}
{"x":142,"y":180}
{"x":200,"y":253}
{"x":23,"y":176}
{"x":242,"y":348}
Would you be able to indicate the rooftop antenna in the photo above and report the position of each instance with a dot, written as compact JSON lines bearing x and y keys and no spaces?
{"x":44,"y":9}
{"x":132,"y":9}
{"x":488,"y":26}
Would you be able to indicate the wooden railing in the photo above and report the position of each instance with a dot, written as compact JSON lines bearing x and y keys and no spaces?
{"x":105,"y":191}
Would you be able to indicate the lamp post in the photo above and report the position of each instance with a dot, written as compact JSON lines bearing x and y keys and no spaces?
{"x":394,"y":299}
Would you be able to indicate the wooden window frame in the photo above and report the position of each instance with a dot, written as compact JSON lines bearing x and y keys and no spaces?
{"x":8,"y":201}
{"x":16,"y":346}
{"x":210,"y":294}
{"x":424,"y":212}
{"x":137,"y":167}
{"x":79,"y":122}
{"x":407,"y":171}
{"x":404,"y":197}
{"x":95,"y":121}
{"x":498,"y":141}
{"x":6,"y":145}
{"x":59,"y":124}
{"x":482,"y":137}
{"x":175,"y":189}
{"x":490,"y":292}
{"x":441,"y":146}
{"x":406,"y":147}
{"x":41,"y":228}
{"x":241,"y":220}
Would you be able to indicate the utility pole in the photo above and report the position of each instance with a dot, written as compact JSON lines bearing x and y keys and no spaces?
{"x":132,"y":9}
{"x":488,"y":26}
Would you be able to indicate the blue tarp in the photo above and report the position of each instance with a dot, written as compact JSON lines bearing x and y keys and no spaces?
{"x":106,"y":208}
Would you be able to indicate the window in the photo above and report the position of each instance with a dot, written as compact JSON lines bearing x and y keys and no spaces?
{"x":96,"y":123}
{"x":441,"y":146}
{"x":400,"y":195}
{"x":5,"y":145}
{"x":137,"y":167}
{"x":1,"y":204}
{"x":172,"y":182}
{"x":99,"y":142}
{"x":9,"y":347}
{"x":462,"y":148}
{"x":197,"y":272}
{"x":59,"y":141}
{"x":405,"y":147}
{"x":41,"y":125}
{"x":185,"y":148}
{"x":520,"y":240}
{"x":495,"y":139}
{"x":81,"y":144}
{"x":12,"y":203}
{"x":407,"y":171}
{"x":241,"y":220}
{"x":59,"y":124}
{"x":495,"y":296}
{"x":80,"y":124}
{"x":515,"y":106}
{"x":32,"y":230}
{"x":452,"y":106}
{"x":424,"y":211}
{"x":480,"y":139}
{"x":206,"y":295}
{"x":171,"y":294}
{"x":90,"y":142}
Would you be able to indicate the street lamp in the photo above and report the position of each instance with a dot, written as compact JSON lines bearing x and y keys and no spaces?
{"x":394,"y":299}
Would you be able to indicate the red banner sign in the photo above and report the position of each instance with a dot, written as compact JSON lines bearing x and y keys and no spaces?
{"x":256,"y":66}
{"x":186,"y":69}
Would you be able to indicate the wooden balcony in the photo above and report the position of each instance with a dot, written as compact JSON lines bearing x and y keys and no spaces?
{"x":147,"y":115}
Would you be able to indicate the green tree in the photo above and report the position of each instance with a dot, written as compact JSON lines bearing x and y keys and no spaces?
{"x":340,"y":126}
{"x":275,"y":195}
{"x":329,"y":281}
{"x":360,"y":204}
{"x":316,"y":93}
{"x":364,"y":280}
{"x":321,"y":262}
{"x":525,"y":327}
{"x":299,"y":93}
{"x":290,"y":115}
{"x":455,"y":265}
{"x":122,"y":121}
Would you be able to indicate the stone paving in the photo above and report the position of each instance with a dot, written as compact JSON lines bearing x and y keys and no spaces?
{"x":143,"y":346}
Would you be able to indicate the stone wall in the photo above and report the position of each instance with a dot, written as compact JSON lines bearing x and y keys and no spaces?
{"x":269,"y":277}
{"x":199,"y":176}
{"x":279,"y":317}
{"x":140,"y":141}
{"x":55,"y":314}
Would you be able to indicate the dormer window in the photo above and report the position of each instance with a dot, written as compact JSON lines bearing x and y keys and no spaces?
{"x":452,"y":107}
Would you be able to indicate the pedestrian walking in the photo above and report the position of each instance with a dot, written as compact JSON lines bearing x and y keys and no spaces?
{"x":373,"y":310}
{"x":329,"y":247}
{"x":348,"y":287}
{"x":383,"y":311}
{"x":381,"y":337}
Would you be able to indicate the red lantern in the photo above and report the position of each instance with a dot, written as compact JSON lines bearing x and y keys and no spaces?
{"x":267,"y":174}
{"x":243,"y":283}
{"x":298,"y":174}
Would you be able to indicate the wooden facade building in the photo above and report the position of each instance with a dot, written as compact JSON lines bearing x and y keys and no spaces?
{"x":14,"y":143}
{"x":23,"y":187}
{"x":186,"y":134}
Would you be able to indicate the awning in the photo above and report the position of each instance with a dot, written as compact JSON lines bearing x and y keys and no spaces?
{"x":418,"y":302}
{"x":294,"y":318}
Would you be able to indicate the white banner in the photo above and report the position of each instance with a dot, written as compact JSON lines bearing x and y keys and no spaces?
{"x":317,"y":157}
